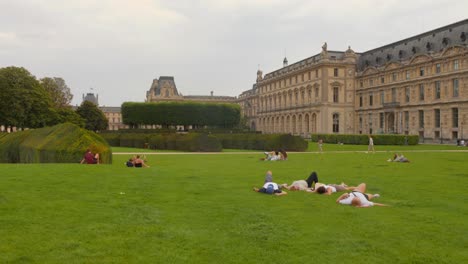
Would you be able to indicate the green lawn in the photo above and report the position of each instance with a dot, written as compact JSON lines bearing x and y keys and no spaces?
{"x":201,"y":209}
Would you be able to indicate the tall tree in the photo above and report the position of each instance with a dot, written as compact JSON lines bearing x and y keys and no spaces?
{"x":23,"y":101}
{"x":58,"y":90}
{"x":95,"y":119}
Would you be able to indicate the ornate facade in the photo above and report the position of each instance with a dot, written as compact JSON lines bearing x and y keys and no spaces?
{"x":165,"y":90}
{"x":416,"y":86}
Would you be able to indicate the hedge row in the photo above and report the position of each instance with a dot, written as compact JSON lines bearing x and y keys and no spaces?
{"x":63,"y":143}
{"x":174,"y":141}
{"x":359,"y":139}
{"x":181,"y":113}
{"x":204,"y":142}
{"x":173,"y":130}
{"x":262,"y":141}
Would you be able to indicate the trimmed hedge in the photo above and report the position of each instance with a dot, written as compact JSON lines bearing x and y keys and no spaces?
{"x":361,"y":139}
{"x":196,"y":114}
{"x":262,"y":141}
{"x":206,"y":142}
{"x":171,"y":141}
{"x":63,"y":143}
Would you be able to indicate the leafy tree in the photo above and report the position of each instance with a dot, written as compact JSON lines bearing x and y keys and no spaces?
{"x":68,"y":115}
{"x":95,"y":119}
{"x":58,"y":90}
{"x":24,"y":103}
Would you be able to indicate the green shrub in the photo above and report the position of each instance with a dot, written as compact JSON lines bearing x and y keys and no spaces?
{"x":360,"y":139}
{"x":262,"y":141}
{"x":63,"y":143}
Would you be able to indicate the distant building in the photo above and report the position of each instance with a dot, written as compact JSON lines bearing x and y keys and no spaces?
{"x":90,"y":97}
{"x":165,"y":90}
{"x":417,"y":86}
{"x":112,"y":113}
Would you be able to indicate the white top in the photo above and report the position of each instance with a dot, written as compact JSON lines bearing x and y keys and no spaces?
{"x":362,"y":198}
{"x":300,"y":184}
{"x":275,"y":186}
{"x":371,"y":141}
{"x":328,"y":186}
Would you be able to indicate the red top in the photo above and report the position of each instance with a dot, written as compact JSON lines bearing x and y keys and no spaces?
{"x":89,"y":157}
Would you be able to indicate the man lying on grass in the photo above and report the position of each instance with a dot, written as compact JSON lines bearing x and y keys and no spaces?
{"x":270,"y":187}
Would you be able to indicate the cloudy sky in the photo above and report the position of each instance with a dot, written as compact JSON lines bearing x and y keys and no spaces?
{"x":117,"y":47}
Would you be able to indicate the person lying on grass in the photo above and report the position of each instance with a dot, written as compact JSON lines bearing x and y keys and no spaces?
{"x":270,"y":188}
{"x":399,"y":158}
{"x":328,"y":189}
{"x":358,"y":197}
{"x":273,"y":156}
{"x":303,"y":185}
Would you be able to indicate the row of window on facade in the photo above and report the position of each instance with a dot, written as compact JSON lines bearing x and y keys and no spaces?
{"x":406,"y":115}
{"x":422,"y":93}
{"x":272,"y":102}
{"x":422,"y":72}
{"x":295,"y":80}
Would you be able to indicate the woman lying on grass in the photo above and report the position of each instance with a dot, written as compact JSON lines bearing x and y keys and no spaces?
{"x":303,"y":185}
{"x":358,"y":197}
{"x":328,"y":189}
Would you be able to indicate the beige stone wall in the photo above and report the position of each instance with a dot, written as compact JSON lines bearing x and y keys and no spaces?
{"x":388,"y":99}
{"x":305,"y":101}
{"x":424,"y":83}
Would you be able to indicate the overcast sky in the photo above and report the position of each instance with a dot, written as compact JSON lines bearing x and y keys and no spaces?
{"x":117,"y":47}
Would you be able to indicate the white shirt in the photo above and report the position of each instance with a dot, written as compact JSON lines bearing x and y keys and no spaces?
{"x":275,"y":186}
{"x":362,"y":198}
{"x":333,"y":188}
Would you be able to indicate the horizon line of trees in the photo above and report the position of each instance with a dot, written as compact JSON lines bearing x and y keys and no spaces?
{"x":26,"y":102}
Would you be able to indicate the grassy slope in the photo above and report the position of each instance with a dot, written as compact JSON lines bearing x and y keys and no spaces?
{"x":200,"y":209}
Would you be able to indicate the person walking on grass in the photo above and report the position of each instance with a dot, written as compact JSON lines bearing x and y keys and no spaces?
{"x":320,"y":145}
{"x":371,"y":145}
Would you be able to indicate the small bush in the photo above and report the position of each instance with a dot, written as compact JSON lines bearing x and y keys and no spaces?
{"x":360,"y":139}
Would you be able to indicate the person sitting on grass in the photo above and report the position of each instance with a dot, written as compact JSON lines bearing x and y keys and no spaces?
{"x":272,"y":156}
{"x":358,"y":197}
{"x":303,"y":185}
{"x":328,"y":189}
{"x":399,"y":158}
{"x":138,"y":162}
{"x":129,"y":163}
{"x":90,"y":158}
{"x":270,"y":188}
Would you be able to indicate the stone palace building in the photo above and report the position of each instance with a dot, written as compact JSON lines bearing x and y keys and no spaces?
{"x":417,"y":85}
{"x":165,"y":90}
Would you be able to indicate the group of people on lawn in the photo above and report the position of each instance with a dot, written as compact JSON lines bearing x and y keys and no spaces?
{"x":135,"y":161}
{"x":356,"y":197}
{"x":275,"y":155}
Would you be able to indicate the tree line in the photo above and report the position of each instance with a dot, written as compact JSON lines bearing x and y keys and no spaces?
{"x":26,"y":102}
{"x":193,"y":114}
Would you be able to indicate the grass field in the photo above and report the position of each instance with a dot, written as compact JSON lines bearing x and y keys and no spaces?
{"x":201,"y":209}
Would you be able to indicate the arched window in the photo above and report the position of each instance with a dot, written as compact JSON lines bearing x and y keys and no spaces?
{"x":336,"y":123}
